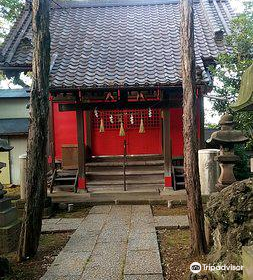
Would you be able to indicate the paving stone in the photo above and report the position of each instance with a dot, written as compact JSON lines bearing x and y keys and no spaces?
{"x":171,"y":221}
{"x":69,"y":264}
{"x":144,"y":277}
{"x":93,"y":222}
{"x":143,"y":262}
{"x":81,"y":243}
{"x":142,"y":241}
{"x":111,"y":243}
{"x":70,"y":221}
{"x":117,"y":235}
{"x":101,"y":209}
{"x":50,"y":221}
{"x":106,"y":262}
{"x":49,"y":276}
{"x":140,"y":209}
{"x":58,"y":227}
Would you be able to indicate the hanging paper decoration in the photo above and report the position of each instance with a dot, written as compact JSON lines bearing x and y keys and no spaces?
{"x":142,"y":128}
{"x":96,"y":113}
{"x":102,"y":127}
{"x":121,"y":131}
{"x":149,"y":113}
{"x":131,"y":119}
{"x":111,"y":119}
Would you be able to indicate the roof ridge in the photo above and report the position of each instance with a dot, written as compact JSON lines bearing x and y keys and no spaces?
{"x":58,"y":4}
{"x":17,"y":26}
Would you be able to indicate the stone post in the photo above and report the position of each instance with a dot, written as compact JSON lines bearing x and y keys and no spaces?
{"x":247,"y":258}
{"x":208,"y":170}
{"x":22,"y":161}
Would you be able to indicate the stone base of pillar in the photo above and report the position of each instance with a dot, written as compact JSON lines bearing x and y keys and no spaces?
{"x":81,"y":183}
{"x":168,"y":182}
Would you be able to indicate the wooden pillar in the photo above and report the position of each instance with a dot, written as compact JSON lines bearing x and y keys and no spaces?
{"x":202,"y":120}
{"x":51,"y":159}
{"x":167,"y":149}
{"x":81,"y":149}
{"x":88,"y":134}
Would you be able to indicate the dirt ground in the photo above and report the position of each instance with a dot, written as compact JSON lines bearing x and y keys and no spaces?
{"x":163,"y":210}
{"x":50,"y":246}
{"x":175,"y":253}
{"x":79,"y":211}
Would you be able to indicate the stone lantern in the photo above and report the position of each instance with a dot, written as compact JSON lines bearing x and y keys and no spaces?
{"x":225,"y":139}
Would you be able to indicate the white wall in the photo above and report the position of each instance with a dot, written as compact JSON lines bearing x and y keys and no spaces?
{"x":14,"y":108}
{"x":20,"y":146}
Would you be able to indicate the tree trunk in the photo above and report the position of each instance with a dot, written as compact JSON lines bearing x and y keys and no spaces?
{"x":192,"y":183}
{"x":37,"y":139}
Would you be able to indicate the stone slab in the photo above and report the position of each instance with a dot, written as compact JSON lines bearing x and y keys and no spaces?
{"x":50,"y":221}
{"x":143,"y":241}
{"x":8,"y":216}
{"x":171,"y":221}
{"x":5,"y":203}
{"x":79,"y":243}
{"x":111,"y":243}
{"x":102,"y":209}
{"x":106,"y":262}
{"x":70,"y":221}
{"x":68,"y":264}
{"x":143,"y":262}
{"x":49,"y":276}
{"x":144,"y":277}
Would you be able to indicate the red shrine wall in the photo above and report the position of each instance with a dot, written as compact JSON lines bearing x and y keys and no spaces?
{"x":65,"y":129}
{"x":110,"y":141}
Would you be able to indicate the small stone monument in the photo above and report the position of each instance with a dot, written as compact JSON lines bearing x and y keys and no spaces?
{"x":225,"y":139}
{"x":9,"y":223}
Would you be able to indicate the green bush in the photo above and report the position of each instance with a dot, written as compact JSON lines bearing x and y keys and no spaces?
{"x":241,"y":169}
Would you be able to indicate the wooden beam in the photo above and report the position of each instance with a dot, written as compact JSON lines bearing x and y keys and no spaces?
{"x":81,"y":149}
{"x":167,"y":148}
{"x":120,"y":105}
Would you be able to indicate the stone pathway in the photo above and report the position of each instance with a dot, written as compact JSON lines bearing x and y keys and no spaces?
{"x":112,"y":243}
{"x":60,"y":224}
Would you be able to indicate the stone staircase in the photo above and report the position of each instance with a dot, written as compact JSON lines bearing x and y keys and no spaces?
{"x":143,"y":173}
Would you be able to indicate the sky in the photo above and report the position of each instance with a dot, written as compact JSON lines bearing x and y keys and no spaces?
{"x":210,"y":115}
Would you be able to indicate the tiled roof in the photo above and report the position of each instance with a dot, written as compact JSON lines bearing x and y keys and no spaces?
{"x":14,"y":93}
{"x":14,"y":126}
{"x":119,"y":43}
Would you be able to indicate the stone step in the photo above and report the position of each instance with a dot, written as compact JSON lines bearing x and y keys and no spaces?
{"x":59,"y":179}
{"x":64,"y":187}
{"x":128,"y":163}
{"x":135,"y":180}
{"x":129,"y":168}
{"x":142,"y":188}
{"x":129,"y":157}
{"x":119,"y":193}
{"x":118,"y":175}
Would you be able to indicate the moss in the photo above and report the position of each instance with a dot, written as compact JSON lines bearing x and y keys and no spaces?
{"x":229,"y":214}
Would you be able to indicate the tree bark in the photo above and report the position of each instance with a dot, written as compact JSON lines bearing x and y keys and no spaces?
{"x":192,"y":183}
{"x":38,"y":131}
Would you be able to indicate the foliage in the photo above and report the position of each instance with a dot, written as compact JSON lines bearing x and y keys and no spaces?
{"x":230,"y":67}
{"x":211,"y":126}
{"x":241,"y":169}
{"x":9,"y":10}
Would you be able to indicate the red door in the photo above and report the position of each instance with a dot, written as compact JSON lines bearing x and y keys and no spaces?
{"x":110,"y":142}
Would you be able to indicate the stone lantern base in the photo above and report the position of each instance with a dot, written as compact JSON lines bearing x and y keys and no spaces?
{"x":9,"y":226}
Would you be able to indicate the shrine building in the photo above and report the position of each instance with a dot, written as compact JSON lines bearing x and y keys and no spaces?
{"x":116,"y":88}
